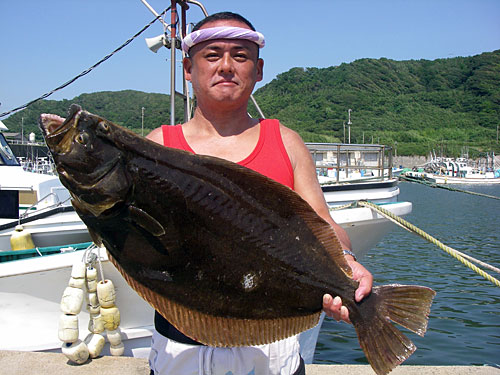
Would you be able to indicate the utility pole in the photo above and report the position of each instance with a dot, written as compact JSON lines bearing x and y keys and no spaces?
{"x":142,"y":120}
{"x":349,"y":123}
{"x":343,"y":122}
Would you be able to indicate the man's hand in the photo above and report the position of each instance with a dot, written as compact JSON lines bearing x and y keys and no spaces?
{"x":333,"y":306}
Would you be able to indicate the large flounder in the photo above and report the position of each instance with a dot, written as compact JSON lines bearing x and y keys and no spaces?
{"x":227,"y":255}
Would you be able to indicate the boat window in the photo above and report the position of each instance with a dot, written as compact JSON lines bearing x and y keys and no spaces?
{"x":6,"y":155}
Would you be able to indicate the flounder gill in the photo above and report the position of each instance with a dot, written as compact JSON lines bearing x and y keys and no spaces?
{"x":228,"y":256}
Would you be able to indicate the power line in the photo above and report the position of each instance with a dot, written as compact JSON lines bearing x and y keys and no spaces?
{"x":87,"y":71}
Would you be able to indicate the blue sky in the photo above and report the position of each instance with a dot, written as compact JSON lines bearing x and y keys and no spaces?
{"x":46,"y":43}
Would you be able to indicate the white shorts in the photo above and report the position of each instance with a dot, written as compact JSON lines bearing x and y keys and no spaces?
{"x":169,"y":357}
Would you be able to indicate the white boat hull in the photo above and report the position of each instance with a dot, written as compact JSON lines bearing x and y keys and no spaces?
{"x":365,"y":227}
{"x":462,"y":180}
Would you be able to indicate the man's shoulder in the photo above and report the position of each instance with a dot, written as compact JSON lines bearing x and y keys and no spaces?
{"x":156,"y":135}
{"x":294,"y":145}
{"x":290,"y":136}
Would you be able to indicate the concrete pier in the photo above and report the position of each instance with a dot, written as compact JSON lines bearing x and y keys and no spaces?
{"x":34,"y":363}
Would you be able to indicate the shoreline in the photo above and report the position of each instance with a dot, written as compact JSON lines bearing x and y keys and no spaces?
{"x":26,"y":363}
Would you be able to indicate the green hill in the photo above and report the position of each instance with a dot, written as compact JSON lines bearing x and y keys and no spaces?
{"x":121,"y":107}
{"x":422,"y":105}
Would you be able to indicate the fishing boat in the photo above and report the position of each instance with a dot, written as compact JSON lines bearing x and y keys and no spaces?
{"x":462,"y":170}
{"x":31,"y":285}
{"x":38,"y":202}
{"x":352,"y":172}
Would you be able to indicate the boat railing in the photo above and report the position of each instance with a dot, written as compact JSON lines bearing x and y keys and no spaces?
{"x":57,"y":203}
{"x":342,"y":162}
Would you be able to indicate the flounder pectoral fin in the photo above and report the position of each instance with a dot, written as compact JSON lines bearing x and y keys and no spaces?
{"x":146,"y":221}
{"x":95,"y":238}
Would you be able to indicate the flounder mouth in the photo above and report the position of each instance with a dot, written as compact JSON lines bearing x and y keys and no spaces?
{"x":55,"y":128}
{"x":50,"y":123}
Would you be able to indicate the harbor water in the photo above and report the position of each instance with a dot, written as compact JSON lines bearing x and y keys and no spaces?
{"x":464,"y":324}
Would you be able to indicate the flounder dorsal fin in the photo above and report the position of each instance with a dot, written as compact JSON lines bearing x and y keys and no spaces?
{"x":146,"y":221}
{"x":327,"y":236}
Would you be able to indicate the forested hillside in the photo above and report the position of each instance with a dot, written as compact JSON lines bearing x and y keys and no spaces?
{"x":121,"y":107}
{"x":421,"y":105}
{"x":418,"y":105}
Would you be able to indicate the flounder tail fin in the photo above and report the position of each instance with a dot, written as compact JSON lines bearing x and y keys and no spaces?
{"x":384,"y":345}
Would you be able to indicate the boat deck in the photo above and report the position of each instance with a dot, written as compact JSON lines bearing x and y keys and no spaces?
{"x":28,"y":363}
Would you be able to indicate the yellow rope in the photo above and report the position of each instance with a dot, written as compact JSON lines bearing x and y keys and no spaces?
{"x":336,"y":208}
{"x":454,"y":253}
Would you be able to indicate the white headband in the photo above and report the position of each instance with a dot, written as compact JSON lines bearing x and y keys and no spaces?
{"x":221,"y":32}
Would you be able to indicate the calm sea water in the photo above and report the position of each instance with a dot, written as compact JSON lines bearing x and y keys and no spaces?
{"x":464,"y":324}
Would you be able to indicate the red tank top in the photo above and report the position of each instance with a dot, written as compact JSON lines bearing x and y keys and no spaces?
{"x":268,"y":158}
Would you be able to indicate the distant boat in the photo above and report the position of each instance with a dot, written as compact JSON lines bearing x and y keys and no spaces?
{"x":459,"y":171}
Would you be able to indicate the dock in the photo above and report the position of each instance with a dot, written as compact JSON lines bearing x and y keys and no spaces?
{"x":37,"y":363}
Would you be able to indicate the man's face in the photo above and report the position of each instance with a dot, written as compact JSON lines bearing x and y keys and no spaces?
{"x":224,"y":71}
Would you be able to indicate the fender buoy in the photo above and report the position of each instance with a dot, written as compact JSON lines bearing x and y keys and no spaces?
{"x":114,"y":337}
{"x":96,"y":324}
{"x":117,"y":350}
{"x":21,"y":239}
{"x":76,"y":352}
{"x":106,"y":293}
{"x":95,"y":342}
{"x":68,"y":328}
{"x":110,"y":317}
{"x":104,"y":315}
{"x":72,"y":301}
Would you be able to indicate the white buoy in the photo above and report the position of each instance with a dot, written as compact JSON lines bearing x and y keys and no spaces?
{"x":91,"y":273}
{"x":95,"y":342}
{"x":96,"y":324}
{"x":78,"y":270}
{"x":114,"y":337}
{"x":93,"y":306}
{"x":106,"y":293}
{"x":93,"y":300}
{"x":111,"y":317}
{"x":76,"y":352}
{"x":117,"y":350}
{"x":68,"y":328}
{"x":76,"y":283}
{"x":92,"y":280}
{"x":72,"y":301}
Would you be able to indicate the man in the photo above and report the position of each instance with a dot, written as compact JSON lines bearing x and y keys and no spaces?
{"x":223,"y":67}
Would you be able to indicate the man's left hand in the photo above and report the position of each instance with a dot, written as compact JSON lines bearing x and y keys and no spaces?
{"x":333,"y":306}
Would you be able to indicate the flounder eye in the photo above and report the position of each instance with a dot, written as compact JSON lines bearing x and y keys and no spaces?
{"x":82,"y":138}
{"x":104,"y":127}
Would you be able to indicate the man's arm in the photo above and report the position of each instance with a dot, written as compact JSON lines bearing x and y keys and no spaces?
{"x":307,"y":186}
